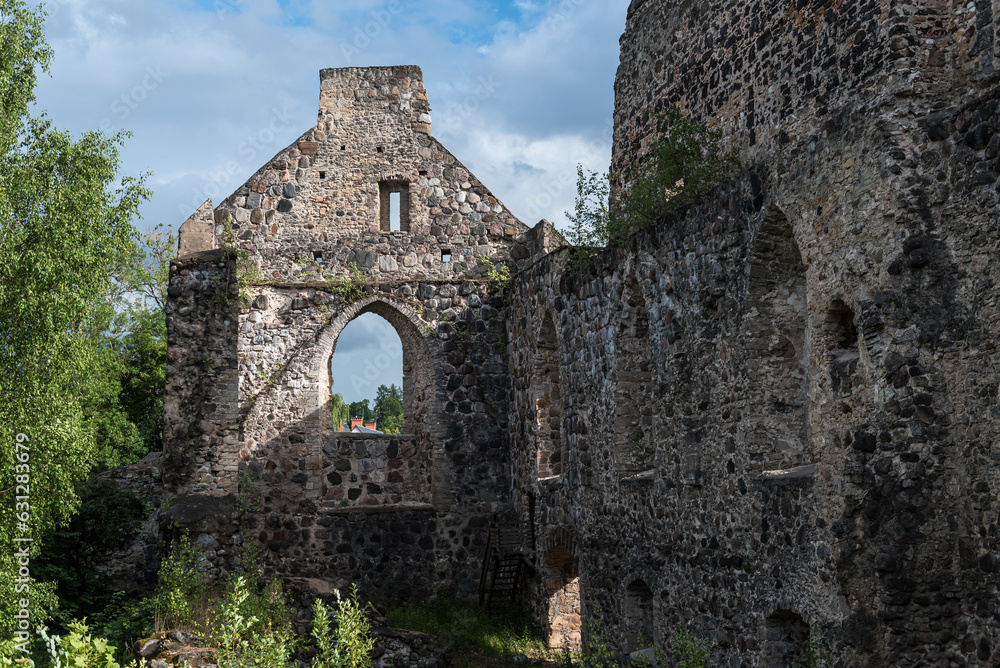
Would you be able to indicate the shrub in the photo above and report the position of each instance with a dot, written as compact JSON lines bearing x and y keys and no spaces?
{"x":254,"y":628}
{"x":689,"y":650}
{"x":79,"y":649}
{"x":125,"y":620}
{"x":683,"y":164}
{"x":349,"y":645}
{"x":181,"y":586}
{"x":110,"y":516}
{"x":10,"y":656}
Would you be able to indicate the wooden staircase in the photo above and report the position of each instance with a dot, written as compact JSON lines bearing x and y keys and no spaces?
{"x":505,"y":564}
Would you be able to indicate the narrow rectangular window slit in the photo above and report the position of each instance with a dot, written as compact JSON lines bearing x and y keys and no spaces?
{"x":394,"y":211}
{"x":318,"y":256}
{"x":445,"y":255}
{"x":381,"y":149}
{"x":423,"y":172}
{"x":343,"y":147}
{"x":394,"y":206}
{"x":322,"y":175}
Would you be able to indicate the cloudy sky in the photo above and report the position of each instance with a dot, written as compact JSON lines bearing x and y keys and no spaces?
{"x":521,"y":91}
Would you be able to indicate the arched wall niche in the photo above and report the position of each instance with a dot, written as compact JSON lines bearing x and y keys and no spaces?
{"x":418,"y":364}
{"x":547,"y":399}
{"x":775,"y":333}
{"x":633,"y":428}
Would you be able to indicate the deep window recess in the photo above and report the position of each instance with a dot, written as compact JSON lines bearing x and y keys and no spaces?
{"x":445,"y":255}
{"x":633,"y":380}
{"x":394,"y":206}
{"x":776,"y":335}
{"x":548,"y":402}
{"x":841,"y":342}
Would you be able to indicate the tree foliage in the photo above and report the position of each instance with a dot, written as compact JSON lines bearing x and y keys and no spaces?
{"x":361,"y":409}
{"x":388,"y":409}
{"x":341,"y":411}
{"x":110,"y":516}
{"x":65,"y":232}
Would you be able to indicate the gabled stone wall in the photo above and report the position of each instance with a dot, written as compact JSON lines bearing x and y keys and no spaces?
{"x":305,"y":241}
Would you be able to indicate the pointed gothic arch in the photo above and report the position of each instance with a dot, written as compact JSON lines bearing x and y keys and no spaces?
{"x":418,"y":367}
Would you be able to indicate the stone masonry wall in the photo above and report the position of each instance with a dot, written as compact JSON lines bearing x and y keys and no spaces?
{"x":308,"y":234}
{"x":820,"y":345}
{"x":769,"y":73}
{"x":771,"y":416}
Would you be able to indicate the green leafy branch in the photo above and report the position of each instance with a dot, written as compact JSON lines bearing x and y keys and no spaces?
{"x":687,"y":161}
{"x":497,"y":274}
{"x":241,"y":269}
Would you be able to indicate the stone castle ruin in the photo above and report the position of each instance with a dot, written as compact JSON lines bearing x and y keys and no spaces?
{"x":769,"y":418}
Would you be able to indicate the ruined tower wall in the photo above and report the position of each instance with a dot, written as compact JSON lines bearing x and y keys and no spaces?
{"x":769,"y":73}
{"x":815,"y":339}
{"x":201,"y":427}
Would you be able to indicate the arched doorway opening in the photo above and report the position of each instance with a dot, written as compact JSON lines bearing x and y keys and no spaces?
{"x":416,"y":382}
{"x":638,"y":616}
{"x":561,"y":585}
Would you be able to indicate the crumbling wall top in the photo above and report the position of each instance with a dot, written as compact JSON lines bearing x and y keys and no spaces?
{"x":358,"y":93}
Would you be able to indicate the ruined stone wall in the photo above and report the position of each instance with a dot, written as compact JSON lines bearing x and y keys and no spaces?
{"x":201,"y":401}
{"x":310,"y":238}
{"x":322,"y":193}
{"x":769,"y":73}
{"x":820,"y":451}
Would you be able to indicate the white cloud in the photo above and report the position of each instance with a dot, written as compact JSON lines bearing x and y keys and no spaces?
{"x":224,"y":67}
{"x":536,"y":176}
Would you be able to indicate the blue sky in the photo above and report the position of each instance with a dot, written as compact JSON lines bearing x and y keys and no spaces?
{"x":369,"y":353}
{"x":212,"y":89}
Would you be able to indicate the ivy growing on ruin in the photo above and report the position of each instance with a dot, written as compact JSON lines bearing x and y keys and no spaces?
{"x":498,"y":275}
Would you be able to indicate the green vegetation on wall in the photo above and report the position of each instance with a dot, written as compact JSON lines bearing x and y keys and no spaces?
{"x":685,"y":162}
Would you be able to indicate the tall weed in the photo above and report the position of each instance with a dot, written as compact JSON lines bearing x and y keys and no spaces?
{"x":349,"y":645}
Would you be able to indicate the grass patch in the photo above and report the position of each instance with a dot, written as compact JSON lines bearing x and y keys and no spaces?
{"x":475,"y":637}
